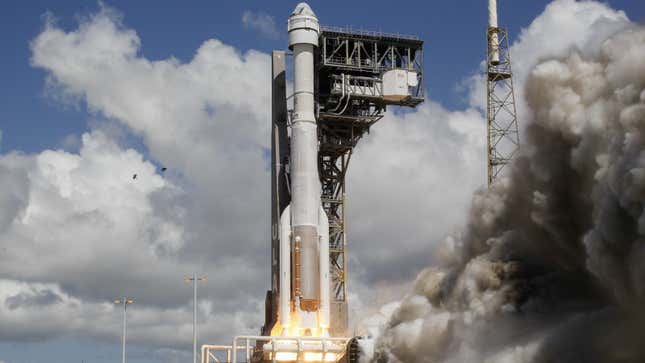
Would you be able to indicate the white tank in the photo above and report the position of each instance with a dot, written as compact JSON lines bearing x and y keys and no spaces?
{"x":304,"y":228}
{"x":494,"y":38}
{"x":397,"y":83}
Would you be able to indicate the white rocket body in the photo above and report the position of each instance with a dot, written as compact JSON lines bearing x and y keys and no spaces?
{"x":304,"y":234}
{"x":492,"y":26}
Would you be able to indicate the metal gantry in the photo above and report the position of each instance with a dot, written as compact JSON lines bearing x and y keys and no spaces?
{"x":355,"y":60}
{"x":502,"y":129}
{"x":351,"y":96}
{"x":351,"y":99}
{"x":337,"y":140}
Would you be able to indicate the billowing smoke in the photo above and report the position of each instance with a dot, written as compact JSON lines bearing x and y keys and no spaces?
{"x":551,"y":266}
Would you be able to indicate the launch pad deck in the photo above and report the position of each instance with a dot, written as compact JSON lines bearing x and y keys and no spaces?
{"x":265,"y":349}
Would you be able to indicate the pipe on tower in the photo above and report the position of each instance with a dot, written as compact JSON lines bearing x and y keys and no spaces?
{"x":324,"y":311}
{"x":493,"y":45}
{"x":285,"y":269}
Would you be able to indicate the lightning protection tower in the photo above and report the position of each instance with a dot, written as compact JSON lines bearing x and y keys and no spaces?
{"x":502,"y":130}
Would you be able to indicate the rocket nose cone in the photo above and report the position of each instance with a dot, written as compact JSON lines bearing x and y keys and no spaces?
{"x":303,"y":9}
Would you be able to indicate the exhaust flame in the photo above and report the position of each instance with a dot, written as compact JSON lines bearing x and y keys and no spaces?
{"x":551,"y":266}
{"x":300,"y":325}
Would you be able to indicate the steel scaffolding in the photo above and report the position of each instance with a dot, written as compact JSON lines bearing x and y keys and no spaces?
{"x":349,"y":89}
{"x":350,"y":97}
{"x":502,"y":130}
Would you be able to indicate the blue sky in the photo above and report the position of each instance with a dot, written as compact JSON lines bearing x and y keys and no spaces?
{"x":31,"y":121}
{"x":453,"y":32}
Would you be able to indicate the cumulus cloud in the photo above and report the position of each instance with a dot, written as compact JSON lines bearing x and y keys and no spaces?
{"x":97,"y":233}
{"x":36,"y":298}
{"x":579,"y":25}
{"x":261,"y":22}
{"x":80,"y":223}
{"x":428,"y":150}
{"x":546,"y":265}
{"x":400,"y":187}
{"x":207,"y":121}
{"x":80,"y":231}
{"x":70,"y":142}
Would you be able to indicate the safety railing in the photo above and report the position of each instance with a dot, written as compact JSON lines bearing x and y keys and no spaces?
{"x":276,"y":349}
{"x":369,"y":33}
{"x":210,"y":353}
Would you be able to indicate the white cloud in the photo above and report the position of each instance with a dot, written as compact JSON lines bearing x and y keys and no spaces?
{"x":402,"y":190}
{"x":70,"y":142}
{"x":262,"y":22}
{"x":101,"y":234}
{"x":96,"y":233}
{"x":78,"y":223}
{"x":205,"y":120}
{"x":564,"y":25}
{"x":78,"y":230}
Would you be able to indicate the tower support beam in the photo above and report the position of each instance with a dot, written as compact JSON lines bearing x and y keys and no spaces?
{"x":503,"y":138}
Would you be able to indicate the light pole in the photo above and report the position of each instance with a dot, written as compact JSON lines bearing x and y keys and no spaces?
{"x":194,"y":280}
{"x":125,"y":301}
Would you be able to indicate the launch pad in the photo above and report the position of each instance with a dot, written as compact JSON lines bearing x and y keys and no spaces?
{"x":265,"y":349}
{"x":343,"y":82}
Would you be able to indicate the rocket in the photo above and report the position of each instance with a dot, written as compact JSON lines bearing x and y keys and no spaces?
{"x":304,"y":231}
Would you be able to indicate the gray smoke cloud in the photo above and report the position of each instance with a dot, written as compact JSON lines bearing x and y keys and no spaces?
{"x":550,"y":265}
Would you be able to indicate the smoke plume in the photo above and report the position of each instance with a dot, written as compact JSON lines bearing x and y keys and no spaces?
{"x":551,"y":266}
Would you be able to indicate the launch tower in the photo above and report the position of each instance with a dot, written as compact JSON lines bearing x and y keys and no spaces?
{"x":343,"y":82}
{"x":358,"y":74}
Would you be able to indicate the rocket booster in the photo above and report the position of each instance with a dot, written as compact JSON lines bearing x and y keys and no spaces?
{"x":305,"y":185}
{"x":304,"y":234}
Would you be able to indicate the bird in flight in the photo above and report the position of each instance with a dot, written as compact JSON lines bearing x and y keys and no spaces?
{"x":163,"y":169}
{"x":134,"y":176}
